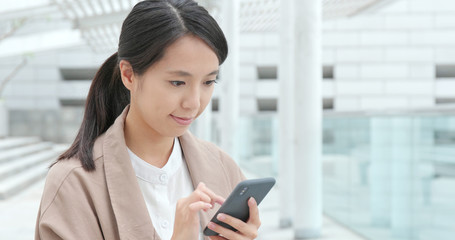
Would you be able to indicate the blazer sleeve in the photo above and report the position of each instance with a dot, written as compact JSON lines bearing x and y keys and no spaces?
{"x":66,"y":210}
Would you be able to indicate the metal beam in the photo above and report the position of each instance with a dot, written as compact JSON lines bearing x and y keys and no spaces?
{"x":82,"y":8}
{"x":38,"y":11}
{"x":43,"y":41}
{"x":16,"y":6}
{"x":102,"y":7}
{"x":95,"y":21}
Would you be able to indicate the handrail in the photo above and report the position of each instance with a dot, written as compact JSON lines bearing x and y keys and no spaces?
{"x":447,"y":109}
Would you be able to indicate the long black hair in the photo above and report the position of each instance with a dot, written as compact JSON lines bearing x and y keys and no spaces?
{"x":147,"y":31}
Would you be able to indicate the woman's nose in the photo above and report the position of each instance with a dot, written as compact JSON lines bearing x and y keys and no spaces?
{"x":192,"y":99}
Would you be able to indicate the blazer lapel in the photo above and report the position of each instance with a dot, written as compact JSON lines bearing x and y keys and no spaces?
{"x":131,"y":214}
{"x":205,"y":166}
{"x":127,"y":201}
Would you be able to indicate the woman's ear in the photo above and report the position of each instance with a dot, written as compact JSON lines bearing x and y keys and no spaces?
{"x":127,"y":74}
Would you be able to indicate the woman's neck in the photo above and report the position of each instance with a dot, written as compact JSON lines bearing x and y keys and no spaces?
{"x":146,"y":143}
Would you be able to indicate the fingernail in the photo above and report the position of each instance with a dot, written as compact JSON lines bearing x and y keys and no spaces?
{"x":209,"y":205}
{"x":221,"y":217}
{"x":252,"y":200}
{"x":211,"y":225}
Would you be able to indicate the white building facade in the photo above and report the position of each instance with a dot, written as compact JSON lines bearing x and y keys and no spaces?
{"x":395,"y":55}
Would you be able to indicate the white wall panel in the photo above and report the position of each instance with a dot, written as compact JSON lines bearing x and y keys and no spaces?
{"x":25,"y":75}
{"x":409,"y":22}
{"x":436,"y":6}
{"x":444,"y":20}
{"x":383,"y":103}
{"x":409,"y":88}
{"x":247,"y":56}
{"x":409,"y":54}
{"x":445,"y":88}
{"x":250,"y":40}
{"x":432,"y":38}
{"x":73,"y":89}
{"x":328,"y":56}
{"x":422,"y":71}
{"x":395,"y":7}
{"x":382,"y":71}
{"x":269,"y":56}
{"x":346,"y":103}
{"x":21,"y":103}
{"x":267,"y":89}
{"x":247,"y":88}
{"x":248,"y":105}
{"x":248,"y":71}
{"x":358,"y":88}
{"x":47,"y":103}
{"x":421,"y":102}
{"x":359,"y":55}
{"x":329,"y":24}
{"x":328,"y":89}
{"x":346,"y":71}
{"x":383,"y":38}
{"x":445,"y":55}
{"x":47,"y":74}
{"x":338,"y":39}
{"x":370,"y":22}
{"x":48,"y":58}
{"x":270,"y":40}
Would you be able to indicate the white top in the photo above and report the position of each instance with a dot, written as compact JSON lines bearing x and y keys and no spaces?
{"x":163,"y":187}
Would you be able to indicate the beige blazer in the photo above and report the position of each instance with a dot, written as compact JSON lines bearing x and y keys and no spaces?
{"x":108,"y":203}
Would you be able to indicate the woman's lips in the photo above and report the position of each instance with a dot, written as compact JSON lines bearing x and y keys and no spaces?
{"x":182,"y":121}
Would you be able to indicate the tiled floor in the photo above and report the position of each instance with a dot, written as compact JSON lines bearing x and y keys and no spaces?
{"x":18,"y":215}
{"x":270,"y":230}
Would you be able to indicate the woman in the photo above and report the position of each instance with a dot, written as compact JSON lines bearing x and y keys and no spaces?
{"x":134,"y":171}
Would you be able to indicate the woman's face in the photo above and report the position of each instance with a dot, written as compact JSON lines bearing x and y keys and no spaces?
{"x":174,"y":91}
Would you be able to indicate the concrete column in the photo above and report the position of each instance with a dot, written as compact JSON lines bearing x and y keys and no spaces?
{"x":286,"y":70}
{"x":379,"y":171}
{"x":229,"y":84}
{"x":403,"y":162}
{"x":203,"y":125}
{"x":4,"y":119}
{"x":308,"y":119}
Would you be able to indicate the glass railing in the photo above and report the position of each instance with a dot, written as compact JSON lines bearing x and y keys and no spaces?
{"x":386,"y":176}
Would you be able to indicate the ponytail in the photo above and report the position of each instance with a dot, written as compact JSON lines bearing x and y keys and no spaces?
{"x":150,"y":27}
{"x":106,"y":100}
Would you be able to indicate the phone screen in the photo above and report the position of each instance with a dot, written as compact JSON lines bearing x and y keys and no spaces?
{"x":236,"y":204}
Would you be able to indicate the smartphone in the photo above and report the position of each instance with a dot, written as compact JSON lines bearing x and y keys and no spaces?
{"x":236,"y":204}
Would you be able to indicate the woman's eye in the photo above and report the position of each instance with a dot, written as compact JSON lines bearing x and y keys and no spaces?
{"x":210,"y":82}
{"x":177,"y":83}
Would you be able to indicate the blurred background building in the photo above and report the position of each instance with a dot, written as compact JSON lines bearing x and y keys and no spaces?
{"x":388,"y":95}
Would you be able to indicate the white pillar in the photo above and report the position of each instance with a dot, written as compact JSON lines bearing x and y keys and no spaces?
{"x":285,"y":110}
{"x":308,"y":119}
{"x":204,"y":124}
{"x":229,"y":97}
{"x":403,"y":172}
{"x":380,"y":171}
{"x":4,"y":123}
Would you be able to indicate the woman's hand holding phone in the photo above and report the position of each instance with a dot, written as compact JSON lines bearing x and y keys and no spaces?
{"x":186,"y":224}
{"x":237,"y":219}
{"x":245,"y":230}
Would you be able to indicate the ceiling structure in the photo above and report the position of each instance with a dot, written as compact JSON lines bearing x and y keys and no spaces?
{"x":38,"y":25}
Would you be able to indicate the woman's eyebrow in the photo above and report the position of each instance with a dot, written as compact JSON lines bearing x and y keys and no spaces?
{"x":214,"y":73}
{"x":187,"y":74}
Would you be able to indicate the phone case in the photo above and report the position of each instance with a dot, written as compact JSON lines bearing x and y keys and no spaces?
{"x":236,"y":204}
